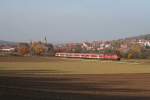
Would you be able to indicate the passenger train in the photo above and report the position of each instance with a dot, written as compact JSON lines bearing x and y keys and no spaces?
{"x":89,"y":56}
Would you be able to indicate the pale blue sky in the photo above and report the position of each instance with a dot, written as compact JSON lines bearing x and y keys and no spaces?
{"x":73,"y":20}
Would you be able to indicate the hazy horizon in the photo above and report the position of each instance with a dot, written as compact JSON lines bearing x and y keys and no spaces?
{"x":73,"y":20}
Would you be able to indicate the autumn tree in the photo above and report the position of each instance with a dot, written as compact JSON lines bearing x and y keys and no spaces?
{"x":38,"y":48}
{"x":23,"y":49}
{"x":135,"y":51}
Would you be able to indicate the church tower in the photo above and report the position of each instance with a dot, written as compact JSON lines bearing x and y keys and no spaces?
{"x":45,"y":40}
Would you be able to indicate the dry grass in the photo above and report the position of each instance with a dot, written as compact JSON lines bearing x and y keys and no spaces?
{"x":45,"y":65}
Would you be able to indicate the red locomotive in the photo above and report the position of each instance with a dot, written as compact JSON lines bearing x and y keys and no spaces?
{"x":89,"y":56}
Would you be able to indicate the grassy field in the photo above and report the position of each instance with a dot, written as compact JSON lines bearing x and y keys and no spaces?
{"x":50,"y":78}
{"x":52,"y":65}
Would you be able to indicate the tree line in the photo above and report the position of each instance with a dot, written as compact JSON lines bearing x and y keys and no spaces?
{"x":35,"y":48}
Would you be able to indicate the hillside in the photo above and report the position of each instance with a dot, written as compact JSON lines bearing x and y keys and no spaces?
{"x":145,"y":37}
{"x":2,"y":42}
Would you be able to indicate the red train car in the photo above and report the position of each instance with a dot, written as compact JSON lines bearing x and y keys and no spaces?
{"x":89,"y":56}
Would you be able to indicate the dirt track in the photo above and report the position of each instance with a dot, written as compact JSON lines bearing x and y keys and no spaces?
{"x":76,"y":87}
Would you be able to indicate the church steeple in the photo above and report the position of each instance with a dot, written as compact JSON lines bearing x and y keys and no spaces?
{"x":45,"y":40}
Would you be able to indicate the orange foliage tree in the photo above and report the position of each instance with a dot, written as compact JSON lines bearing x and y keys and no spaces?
{"x":38,"y":48}
{"x":24,"y":51}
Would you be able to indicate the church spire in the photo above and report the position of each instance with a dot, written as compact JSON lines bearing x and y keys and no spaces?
{"x":45,"y":40}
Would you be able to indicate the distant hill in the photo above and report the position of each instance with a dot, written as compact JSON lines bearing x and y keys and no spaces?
{"x":145,"y":37}
{"x":6,"y":42}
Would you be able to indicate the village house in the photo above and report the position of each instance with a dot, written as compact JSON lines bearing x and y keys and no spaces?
{"x":7,"y":49}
